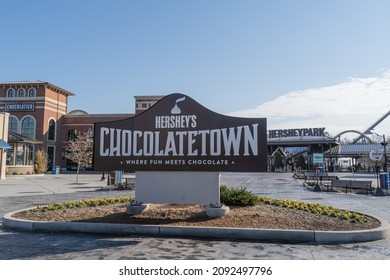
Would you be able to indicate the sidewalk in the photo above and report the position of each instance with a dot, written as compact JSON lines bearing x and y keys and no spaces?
{"x":30,"y":191}
{"x":44,"y":184}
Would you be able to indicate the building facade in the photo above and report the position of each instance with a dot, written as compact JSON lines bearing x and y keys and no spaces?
{"x":78,"y":122}
{"x":38,"y":119}
{"x":144,"y":102}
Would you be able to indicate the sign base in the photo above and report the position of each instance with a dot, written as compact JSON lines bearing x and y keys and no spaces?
{"x":134,"y":209}
{"x":170,"y":187}
{"x":216,"y":212}
{"x":379,"y":192}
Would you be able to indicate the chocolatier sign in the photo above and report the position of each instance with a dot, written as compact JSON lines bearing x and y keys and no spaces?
{"x":179,"y":134}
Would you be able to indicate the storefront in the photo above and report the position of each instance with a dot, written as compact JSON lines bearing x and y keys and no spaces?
{"x":20,"y":156}
{"x":298,"y":143}
{"x":38,"y":119}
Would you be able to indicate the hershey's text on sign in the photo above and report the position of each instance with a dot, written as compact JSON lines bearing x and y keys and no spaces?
{"x":179,"y":134}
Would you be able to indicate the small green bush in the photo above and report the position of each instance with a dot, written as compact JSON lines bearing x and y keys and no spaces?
{"x":83,"y":203}
{"x":315,"y":208}
{"x":237,"y":197}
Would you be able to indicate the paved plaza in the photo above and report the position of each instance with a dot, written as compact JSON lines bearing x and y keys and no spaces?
{"x":19,"y":192}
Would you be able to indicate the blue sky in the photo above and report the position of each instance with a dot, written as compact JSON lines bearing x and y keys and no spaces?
{"x":228,"y":55}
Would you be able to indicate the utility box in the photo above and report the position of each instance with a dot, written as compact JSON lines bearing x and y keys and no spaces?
{"x":384,"y":179}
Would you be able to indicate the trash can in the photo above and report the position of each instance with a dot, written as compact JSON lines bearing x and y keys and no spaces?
{"x":384,"y":179}
{"x":55,"y":170}
{"x":322,"y":169}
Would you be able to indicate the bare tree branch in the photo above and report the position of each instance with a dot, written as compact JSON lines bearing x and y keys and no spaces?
{"x":79,"y":150}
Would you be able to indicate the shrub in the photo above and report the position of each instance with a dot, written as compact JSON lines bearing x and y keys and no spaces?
{"x":82,"y":203}
{"x":41,"y":161}
{"x":237,"y":197}
{"x":316,"y":208}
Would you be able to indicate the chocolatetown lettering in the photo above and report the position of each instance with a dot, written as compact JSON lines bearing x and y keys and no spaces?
{"x":179,"y":134}
{"x":214,"y":142}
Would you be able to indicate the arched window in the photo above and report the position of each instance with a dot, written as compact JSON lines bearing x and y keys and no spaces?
{"x":21,"y":92}
{"x":28,"y":127}
{"x":51,"y":135}
{"x":73,"y":133}
{"x":11,"y":92}
{"x":13,"y":124}
{"x":32,"y":92}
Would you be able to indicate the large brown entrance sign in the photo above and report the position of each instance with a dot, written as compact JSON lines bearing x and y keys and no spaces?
{"x":177,"y":149}
{"x":179,"y":134}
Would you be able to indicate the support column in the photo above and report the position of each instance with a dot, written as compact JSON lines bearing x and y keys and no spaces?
{"x":4,"y":136}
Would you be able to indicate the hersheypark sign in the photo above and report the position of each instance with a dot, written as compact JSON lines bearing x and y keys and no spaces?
{"x":179,"y":134}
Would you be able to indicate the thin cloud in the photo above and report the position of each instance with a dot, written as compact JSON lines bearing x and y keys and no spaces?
{"x":353,"y":104}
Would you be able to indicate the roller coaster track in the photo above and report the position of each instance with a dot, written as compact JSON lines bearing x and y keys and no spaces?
{"x":361,"y":135}
{"x":368,"y":130}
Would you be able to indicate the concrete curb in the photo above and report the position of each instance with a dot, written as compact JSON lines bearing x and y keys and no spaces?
{"x":271,"y":235}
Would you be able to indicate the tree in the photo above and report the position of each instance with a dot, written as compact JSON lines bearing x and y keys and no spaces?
{"x":79,"y":150}
{"x":301,"y":162}
{"x":278,"y":161}
{"x":40,"y":161}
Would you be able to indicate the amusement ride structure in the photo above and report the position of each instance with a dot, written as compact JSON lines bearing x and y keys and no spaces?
{"x":363,"y":135}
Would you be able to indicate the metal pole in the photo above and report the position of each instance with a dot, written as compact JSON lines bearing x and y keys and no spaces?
{"x":378,"y":191}
{"x":384,"y":143}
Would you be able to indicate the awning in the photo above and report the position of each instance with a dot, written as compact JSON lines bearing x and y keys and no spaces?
{"x":4,"y":145}
{"x":18,"y":138}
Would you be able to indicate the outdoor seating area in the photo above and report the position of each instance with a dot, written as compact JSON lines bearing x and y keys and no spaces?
{"x":119,"y":181}
{"x":352,"y":185}
{"x":322,"y":181}
{"x":319,"y":176}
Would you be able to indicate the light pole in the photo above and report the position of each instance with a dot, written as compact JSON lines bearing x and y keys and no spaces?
{"x":384,"y":144}
{"x":376,"y":156}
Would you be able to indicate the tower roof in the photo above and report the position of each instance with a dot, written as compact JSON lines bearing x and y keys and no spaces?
{"x":37,"y":82}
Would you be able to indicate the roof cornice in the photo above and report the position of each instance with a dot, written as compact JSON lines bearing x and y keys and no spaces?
{"x":37,"y":82}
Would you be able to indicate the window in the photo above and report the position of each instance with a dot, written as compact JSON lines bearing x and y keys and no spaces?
{"x":21,"y":92}
{"x":20,"y":153}
{"x":10,"y":156}
{"x":30,"y":155}
{"x":51,"y":135}
{"x":11,"y":92}
{"x":32,"y":92}
{"x":73,"y":133}
{"x":28,"y":127}
{"x":13,"y":124}
{"x":50,"y":157}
